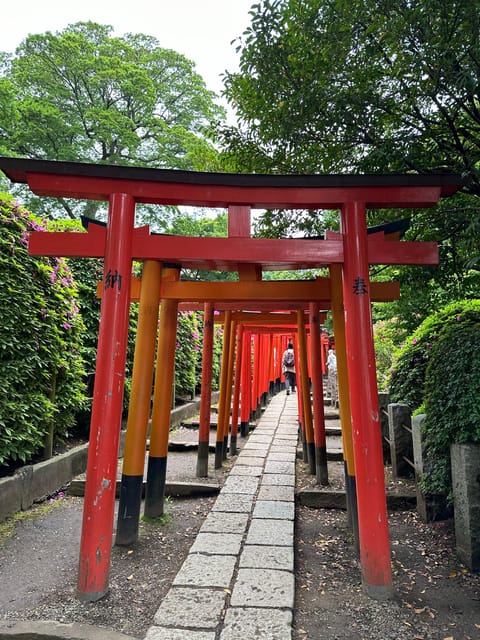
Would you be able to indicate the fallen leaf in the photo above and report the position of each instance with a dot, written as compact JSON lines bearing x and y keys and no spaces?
{"x":417,"y":611}
{"x":130,"y":577}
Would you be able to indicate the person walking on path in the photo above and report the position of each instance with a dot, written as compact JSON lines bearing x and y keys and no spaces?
{"x":288,"y":368}
{"x":332,"y":377}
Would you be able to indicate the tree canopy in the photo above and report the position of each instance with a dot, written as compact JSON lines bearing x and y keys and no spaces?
{"x":83,"y":95}
{"x":360,"y":86}
{"x":367,"y":86}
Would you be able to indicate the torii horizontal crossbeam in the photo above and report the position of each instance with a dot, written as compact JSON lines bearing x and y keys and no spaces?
{"x":226,"y":254}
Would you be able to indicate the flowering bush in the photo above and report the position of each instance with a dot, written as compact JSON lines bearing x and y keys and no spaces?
{"x":40,"y":341}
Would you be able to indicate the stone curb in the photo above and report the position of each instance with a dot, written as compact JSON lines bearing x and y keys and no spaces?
{"x":48,"y":630}
{"x":318,"y":499}
{"x":174,"y":489}
{"x":35,"y":482}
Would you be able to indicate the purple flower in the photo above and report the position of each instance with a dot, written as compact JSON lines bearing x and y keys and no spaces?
{"x":414,"y":341}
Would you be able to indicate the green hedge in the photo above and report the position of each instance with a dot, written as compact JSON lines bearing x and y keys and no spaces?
{"x":40,"y":341}
{"x":438,"y":372}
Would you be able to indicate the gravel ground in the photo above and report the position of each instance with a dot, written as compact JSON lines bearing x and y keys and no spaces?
{"x":436,"y":598}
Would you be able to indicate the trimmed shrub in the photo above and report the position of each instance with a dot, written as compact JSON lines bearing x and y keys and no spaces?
{"x":188,"y":354}
{"x":41,"y":367}
{"x":452,"y":392}
{"x":438,"y":372}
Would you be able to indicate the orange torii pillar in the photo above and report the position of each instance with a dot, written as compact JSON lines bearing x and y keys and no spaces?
{"x":229,"y":383}
{"x":301,"y":417}
{"x":277,"y":371}
{"x":262,"y":370}
{"x":305,"y":389}
{"x":206,"y":393}
{"x":271,"y":368}
{"x":246,"y":380}
{"x":139,"y":407}
{"x":99,"y":501}
{"x":372,"y":509}
{"x":227,"y":325}
{"x":325,"y":345}
{"x":236,"y":389}
{"x":344,"y":398}
{"x":162,"y":404}
{"x":255,"y":377}
{"x":321,"y":465}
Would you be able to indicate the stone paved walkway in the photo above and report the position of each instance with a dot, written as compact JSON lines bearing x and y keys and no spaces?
{"x":238,"y":583}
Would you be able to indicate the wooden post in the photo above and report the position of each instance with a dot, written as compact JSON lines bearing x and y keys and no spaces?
{"x":372,"y":511}
{"x":206,"y":392}
{"x":162,"y":400}
{"x":307,"y":405}
{"x":139,"y":407}
{"x":321,"y":466}
{"x":99,"y":501}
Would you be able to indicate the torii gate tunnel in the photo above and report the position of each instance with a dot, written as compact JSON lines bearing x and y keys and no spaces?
{"x":121,"y":243}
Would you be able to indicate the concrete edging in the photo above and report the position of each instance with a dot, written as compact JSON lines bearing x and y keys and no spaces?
{"x":48,"y":629}
{"x":35,"y":482}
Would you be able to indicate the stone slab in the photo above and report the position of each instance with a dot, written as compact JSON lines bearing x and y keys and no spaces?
{"x":282,"y":456}
{"x":162,"y":633}
{"x":190,"y":607}
{"x":250,"y":460}
{"x":231,"y":503}
{"x":263,"y":588}
{"x":240,"y":484}
{"x":267,"y":557}
{"x":261,"y":439}
{"x":268,"y":532}
{"x":278,"y":479}
{"x":225,"y":523}
{"x":275,"y":492}
{"x":274,"y":466}
{"x":200,"y":570}
{"x":274,"y":509}
{"x":256,"y":446}
{"x":240,"y":470}
{"x":261,"y":624}
{"x":217,"y":543}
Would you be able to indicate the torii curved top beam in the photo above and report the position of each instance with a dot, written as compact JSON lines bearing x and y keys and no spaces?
{"x":98,"y":182}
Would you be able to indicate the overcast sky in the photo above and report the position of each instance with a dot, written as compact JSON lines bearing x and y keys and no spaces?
{"x":202,"y":30}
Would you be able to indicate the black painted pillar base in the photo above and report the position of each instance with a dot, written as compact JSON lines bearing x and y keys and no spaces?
{"x":311,"y":457}
{"x":244,"y":428}
{"x":352,"y":507}
{"x":129,"y":510}
{"x":321,"y":466}
{"x":218,"y":454}
{"x":233,"y":446}
{"x":202,"y":460}
{"x":155,"y":492}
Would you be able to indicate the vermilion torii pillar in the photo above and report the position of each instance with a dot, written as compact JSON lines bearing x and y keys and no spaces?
{"x":123,"y":187}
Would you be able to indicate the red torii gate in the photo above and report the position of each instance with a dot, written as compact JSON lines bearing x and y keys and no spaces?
{"x":123,"y":187}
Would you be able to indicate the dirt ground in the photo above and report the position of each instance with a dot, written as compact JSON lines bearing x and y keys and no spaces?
{"x":436,"y":598}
